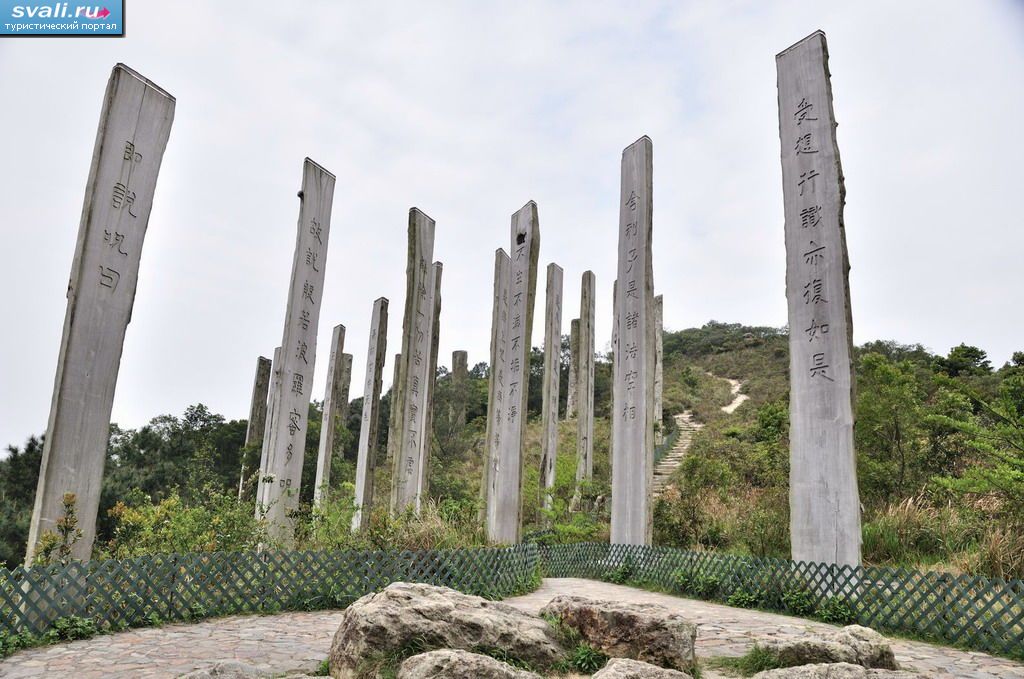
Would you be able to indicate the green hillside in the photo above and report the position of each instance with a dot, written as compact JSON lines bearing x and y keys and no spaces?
{"x":940,"y":443}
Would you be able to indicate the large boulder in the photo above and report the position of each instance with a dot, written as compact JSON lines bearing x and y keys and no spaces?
{"x":624,"y":668}
{"x":415,"y":617}
{"x":450,"y":664}
{"x":835,"y":671}
{"x":853,"y":644}
{"x":645,"y":632}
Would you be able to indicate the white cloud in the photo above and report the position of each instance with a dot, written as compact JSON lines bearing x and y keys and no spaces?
{"x":468,"y":110}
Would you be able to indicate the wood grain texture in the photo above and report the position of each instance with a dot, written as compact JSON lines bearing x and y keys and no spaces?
{"x":287,"y":443}
{"x":374,"y":377}
{"x":633,"y":387}
{"x":824,"y":502}
{"x":552,"y":371}
{"x":135,"y":124}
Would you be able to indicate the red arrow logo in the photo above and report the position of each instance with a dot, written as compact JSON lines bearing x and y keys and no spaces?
{"x":103,"y":13}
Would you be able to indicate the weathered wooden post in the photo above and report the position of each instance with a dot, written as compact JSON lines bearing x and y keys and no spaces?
{"x":134,"y":126}
{"x":287,"y":445}
{"x":504,"y":511}
{"x":333,"y":412}
{"x":574,"y":361}
{"x":367,"y":456}
{"x":262,"y":480}
{"x":427,"y":437}
{"x":585,"y":387}
{"x":415,"y":358}
{"x":633,"y":447}
{"x":257,"y":411}
{"x":460,"y":382}
{"x":552,"y":370}
{"x":824,"y":500}
{"x":659,"y":370}
{"x":394,"y":412}
{"x":496,"y":377}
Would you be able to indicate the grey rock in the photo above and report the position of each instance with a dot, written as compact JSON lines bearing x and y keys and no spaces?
{"x":227,"y":669}
{"x":852,"y":644}
{"x":624,"y":668}
{"x":454,"y":664}
{"x":406,"y":614}
{"x":835,"y":671}
{"x":645,"y":632}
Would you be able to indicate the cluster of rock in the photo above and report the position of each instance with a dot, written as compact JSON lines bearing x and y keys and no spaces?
{"x":430,"y":632}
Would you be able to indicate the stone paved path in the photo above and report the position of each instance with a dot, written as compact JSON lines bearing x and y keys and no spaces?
{"x":300,"y":641}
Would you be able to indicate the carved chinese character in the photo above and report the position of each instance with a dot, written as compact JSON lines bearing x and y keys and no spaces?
{"x":804,"y":144}
{"x":629,"y":412}
{"x":803,"y":111}
{"x":514,"y":365}
{"x":304,"y":319}
{"x":807,"y":180}
{"x":297,"y":380}
{"x":300,"y":351}
{"x":316,"y":230}
{"x":123,"y":198}
{"x":115,"y":240}
{"x":631,"y":201}
{"x":815,"y":255}
{"x":311,"y":259}
{"x":631,"y":257}
{"x":631,"y":350}
{"x":307,"y":291}
{"x":816,"y":330}
{"x":109,"y":278}
{"x":632,"y":320}
{"x":631,"y":378}
{"x":517,"y":298}
{"x":293,"y":422}
{"x":631,"y":230}
{"x":130,"y":153}
{"x":520,"y":251}
{"x":517,"y":321}
{"x":814,"y":292}
{"x":810,"y":216}
{"x":631,"y":290}
{"x":819,"y":368}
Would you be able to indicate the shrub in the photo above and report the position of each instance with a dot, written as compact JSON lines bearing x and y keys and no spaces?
{"x":742,"y":599}
{"x":706,"y":586}
{"x":836,"y":611}
{"x":798,"y":602}
{"x":71,"y":628}
{"x":587,"y":659}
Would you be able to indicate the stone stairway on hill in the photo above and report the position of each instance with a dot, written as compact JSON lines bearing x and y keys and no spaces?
{"x":667,"y":465}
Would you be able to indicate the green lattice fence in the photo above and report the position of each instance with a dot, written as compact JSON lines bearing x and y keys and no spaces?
{"x":132,"y":592}
{"x":985,"y":614}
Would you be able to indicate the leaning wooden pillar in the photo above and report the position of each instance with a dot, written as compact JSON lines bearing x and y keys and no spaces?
{"x":824,"y":500}
{"x":262,"y":479}
{"x":495,"y":377}
{"x":633,"y":447}
{"x":659,"y":370}
{"x":257,"y":412}
{"x":287,"y":445}
{"x":460,"y":383}
{"x":416,"y":347}
{"x":427,"y":437}
{"x":585,"y":386}
{"x":135,"y":123}
{"x":552,"y":371}
{"x":367,"y":456}
{"x":333,"y":410}
{"x":574,"y":361}
{"x":504,"y":518}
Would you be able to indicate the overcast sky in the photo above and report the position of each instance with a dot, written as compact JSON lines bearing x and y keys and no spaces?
{"x":468,"y":110}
